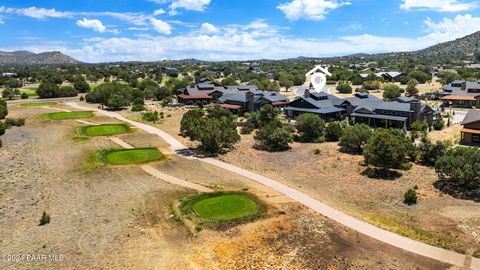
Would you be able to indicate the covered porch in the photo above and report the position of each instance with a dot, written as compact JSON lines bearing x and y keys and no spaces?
{"x":380,"y":121}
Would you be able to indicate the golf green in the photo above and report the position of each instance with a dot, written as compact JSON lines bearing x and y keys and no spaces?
{"x":218,"y":207}
{"x":131,"y":156}
{"x":68,"y":115}
{"x":38,"y":104}
{"x":103,"y":130}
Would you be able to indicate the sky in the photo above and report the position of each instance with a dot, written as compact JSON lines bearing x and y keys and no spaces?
{"x":150,"y":30}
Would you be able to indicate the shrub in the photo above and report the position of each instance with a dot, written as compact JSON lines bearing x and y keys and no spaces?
{"x":24,"y":95}
{"x":438,"y":124}
{"x":150,"y":116}
{"x":333,"y":131}
{"x":82,"y":98}
{"x":385,"y":149}
{"x":17,"y":122}
{"x":317,"y":151}
{"x":354,"y":137}
{"x":310,"y":127}
{"x":3,"y":128}
{"x":3,"y":109}
{"x":410,"y":197}
{"x":460,"y":164}
{"x":45,"y":219}
{"x":391,"y":91}
{"x":344,"y":88}
{"x":273,"y":138}
{"x":429,"y":152}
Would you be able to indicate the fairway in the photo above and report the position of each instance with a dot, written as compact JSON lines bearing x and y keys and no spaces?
{"x":38,"y":104}
{"x":103,"y":130}
{"x":130,"y":156}
{"x":224,"y":206}
{"x":68,"y":115}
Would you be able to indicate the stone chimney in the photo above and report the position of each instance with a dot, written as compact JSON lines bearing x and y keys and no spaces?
{"x":250,"y":104}
{"x":307,"y":93}
{"x":464,"y":85}
{"x":415,"y":107}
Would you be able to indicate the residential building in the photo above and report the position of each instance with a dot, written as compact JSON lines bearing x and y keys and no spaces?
{"x":363,"y":108}
{"x":461,"y":94}
{"x":470,"y":134}
{"x":391,"y":76}
{"x":246,"y":98}
{"x":327,"y":106}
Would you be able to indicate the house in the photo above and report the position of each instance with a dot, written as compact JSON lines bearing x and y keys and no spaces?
{"x":461,"y":94}
{"x":241,"y":98}
{"x":391,"y":76}
{"x":325,"y":105}
{"x":9,"y":74}
{"x":363,"y":108}
{"x":399,"y":113}
{"x":470,"y":134}
{"x":250,"y":101}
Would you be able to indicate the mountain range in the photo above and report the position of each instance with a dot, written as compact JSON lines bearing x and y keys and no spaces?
{"x":466,"y":48}
{"x":29,"y":58}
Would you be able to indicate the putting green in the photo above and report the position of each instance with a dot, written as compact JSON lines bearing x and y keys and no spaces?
{"x":103,"y":130}
{"x":130,"y":156}
{"x":224,"y":206}
{"x":68,"y":115}
{"x":38,"y":104}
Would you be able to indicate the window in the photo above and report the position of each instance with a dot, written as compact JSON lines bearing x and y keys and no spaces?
{"x":476,"y":138}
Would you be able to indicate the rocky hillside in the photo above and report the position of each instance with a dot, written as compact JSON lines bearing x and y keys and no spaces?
{"x":460,"y":48}
{"x":29,"y":58}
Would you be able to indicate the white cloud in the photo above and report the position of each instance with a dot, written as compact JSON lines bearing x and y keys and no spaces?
{"x":94,"y":24}
{"x":254,"y":40}
{"x":38,"y":13}
{"x":310,"y":9}
{"x":209,"y":28}
{"x":158,"y":12}
{"x":161,"y":26}
{"x":196,"y":5}
{"x":438,"y":5}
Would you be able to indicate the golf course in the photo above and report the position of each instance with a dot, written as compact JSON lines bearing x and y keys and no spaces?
{"x":103,"y":130}
{"x":223,"y":206}
{"x":67,"y":115}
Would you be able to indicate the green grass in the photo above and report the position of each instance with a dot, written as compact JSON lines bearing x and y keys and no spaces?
{"x":31,"y":92}
{"x":129,"y":156}
{"x":103,"y":130}
{"x":67,"y":115}
{"x":223,"y":207}
{"x":38,"y":104}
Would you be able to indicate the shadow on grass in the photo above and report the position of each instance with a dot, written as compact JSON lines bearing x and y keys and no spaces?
{"x":459,"y":191}
{"x":350,"y":151}
{"x":380,"y":174}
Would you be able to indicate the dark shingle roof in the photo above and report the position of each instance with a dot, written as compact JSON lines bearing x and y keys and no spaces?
{"x":472,"y":116}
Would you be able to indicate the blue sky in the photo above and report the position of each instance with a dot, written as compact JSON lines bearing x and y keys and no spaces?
{"x":148,"y":30}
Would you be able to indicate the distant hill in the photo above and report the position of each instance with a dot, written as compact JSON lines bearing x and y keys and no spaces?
{"x":457,"y":49}
{"x":466,"y":48}
{"x":29,"y":58}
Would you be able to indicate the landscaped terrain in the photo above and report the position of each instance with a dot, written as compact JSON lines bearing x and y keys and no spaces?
{"x":67,"y":115}
{"x":119,"y":217}
{"x":103,"y":130}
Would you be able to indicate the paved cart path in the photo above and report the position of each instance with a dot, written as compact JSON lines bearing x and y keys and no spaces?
{"x":419,"y":248}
